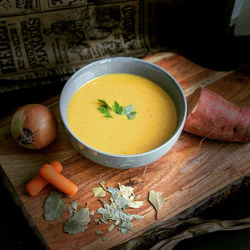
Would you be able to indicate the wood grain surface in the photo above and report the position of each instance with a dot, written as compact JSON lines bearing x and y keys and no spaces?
{"x":195,"y":169}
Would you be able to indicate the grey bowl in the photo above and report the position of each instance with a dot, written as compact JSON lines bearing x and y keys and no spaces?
{"x":131,"y":66}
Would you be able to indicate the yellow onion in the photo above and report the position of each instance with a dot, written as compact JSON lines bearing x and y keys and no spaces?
{"x":34,"y":126}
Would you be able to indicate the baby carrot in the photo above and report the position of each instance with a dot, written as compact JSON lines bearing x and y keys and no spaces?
{"x":58,"y":180}
{"x":35,"y":185}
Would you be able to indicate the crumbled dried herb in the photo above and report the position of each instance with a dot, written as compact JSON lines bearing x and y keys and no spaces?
{"x":78,"y":222}
{"x":74,"y":205}
{"x":99,"y":232}
{"x":97,"y":221}
{"x":111,"y":227}
{"x":70,"y":211}
{"x":99,"y":192}
{"x":110,"y":213}
{"x":124,"y":197}
{"x":53,"y":207}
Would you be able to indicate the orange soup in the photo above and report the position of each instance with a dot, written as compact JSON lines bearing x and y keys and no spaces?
{"x":151,"y":122}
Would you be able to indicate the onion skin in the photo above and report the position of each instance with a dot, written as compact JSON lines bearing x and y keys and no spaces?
{"x":34,"y":126}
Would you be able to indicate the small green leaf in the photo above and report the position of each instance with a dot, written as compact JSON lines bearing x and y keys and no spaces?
{"x":129,"y":109}
{"x":131,"y":115}
{"x":98,"y":232}
{"x":117,"y":108}
{"x":104,"y":111}
{"x":104,"y":103}
{"x":130,"y":112}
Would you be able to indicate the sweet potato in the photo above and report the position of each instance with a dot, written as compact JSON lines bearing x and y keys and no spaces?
{"x":212,"y":116}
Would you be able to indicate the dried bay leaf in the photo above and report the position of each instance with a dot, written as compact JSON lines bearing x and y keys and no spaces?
{"x":78,"y":222}
{"x":53,"y":207}
{"x":156,"y":199}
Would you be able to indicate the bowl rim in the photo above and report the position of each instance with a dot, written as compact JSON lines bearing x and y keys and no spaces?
{"x":103,"y":60}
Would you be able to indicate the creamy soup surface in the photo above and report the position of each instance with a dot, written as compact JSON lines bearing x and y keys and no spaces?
{"x":155,"y":120}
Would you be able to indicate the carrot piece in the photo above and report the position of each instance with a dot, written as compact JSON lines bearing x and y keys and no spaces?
{"x":35,"y":185}
{"x":58,"y":180}
{"x":212,"y":116}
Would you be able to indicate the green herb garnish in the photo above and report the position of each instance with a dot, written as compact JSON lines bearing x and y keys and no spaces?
{"x":104,"y":108}
{"x":116,"y":108}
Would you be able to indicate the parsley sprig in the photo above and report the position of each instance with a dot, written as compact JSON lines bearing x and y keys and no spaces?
{"x":105,"y":109}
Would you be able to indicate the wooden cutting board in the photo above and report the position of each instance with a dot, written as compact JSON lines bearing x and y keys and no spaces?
{"x":195,"y":169}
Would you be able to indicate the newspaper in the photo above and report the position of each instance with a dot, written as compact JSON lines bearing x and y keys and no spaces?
{"x":43,"y":41}
{"x":46,"y":41}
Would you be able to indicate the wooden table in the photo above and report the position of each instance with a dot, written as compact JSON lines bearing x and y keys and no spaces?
{"x":194,"y":172}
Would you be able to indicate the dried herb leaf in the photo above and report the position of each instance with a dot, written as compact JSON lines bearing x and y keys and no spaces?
{"x":104,"y":221}
{"x":99,"y":232}
{"x":53,"y":207}
{"x":120,"y":200}
{"x":111,"y":227}
{"x":78,"y":222}
{"x":128,"y":193}
{"x":156,"y":199}
{"x":97,"y":221}
{"x":102,"y":183}
{"x":117,"y":222}
{"x":74,"y":204}
{"x":124,"y":227}
{"x":110,"y":213}
{"x":99,"y":192}
{"x":124,"y":197}
{"x":70,"y":211}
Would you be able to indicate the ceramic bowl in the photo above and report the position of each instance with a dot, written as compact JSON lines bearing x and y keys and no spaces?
{"x":131,"y":66}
